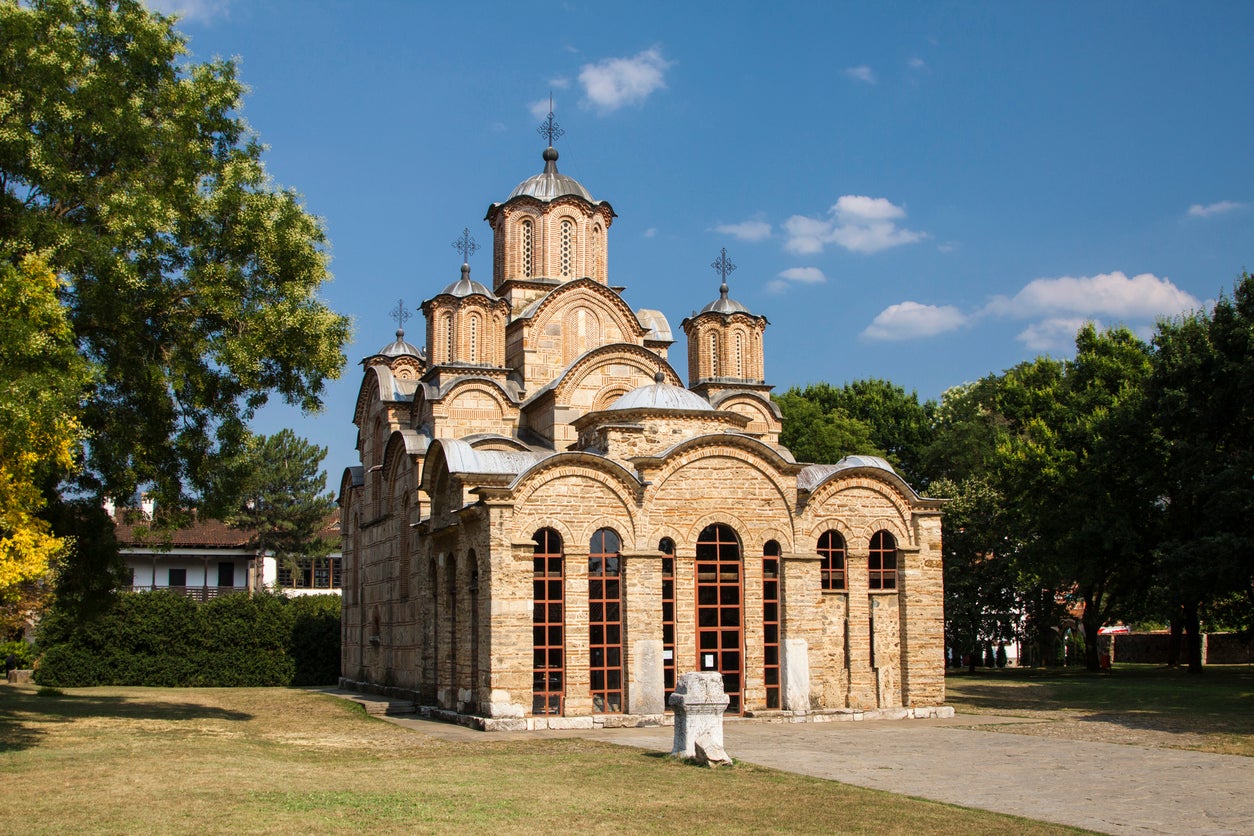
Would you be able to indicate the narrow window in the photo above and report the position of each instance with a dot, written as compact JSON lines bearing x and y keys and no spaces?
{"x":448,"y":338}
{"x":713,"y":354}
{"x":740,"y":355}
{"x":528,"y":242}
{"x":667,"y":547}
{"x":770,"y":622}
{"x":548,"y":673}
{"x":882,"y":562}
{"x":474,"y":339}
{"x":832,"y":567}
{"x":568,"y":248}
{"x":605,"y":622}
{"x":596,"y":254}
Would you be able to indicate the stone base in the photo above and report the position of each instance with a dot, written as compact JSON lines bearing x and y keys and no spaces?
{"x":21,"y":676}
{"x":836,"y":715}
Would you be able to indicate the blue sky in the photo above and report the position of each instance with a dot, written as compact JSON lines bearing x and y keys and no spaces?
{"x":922,"y":192}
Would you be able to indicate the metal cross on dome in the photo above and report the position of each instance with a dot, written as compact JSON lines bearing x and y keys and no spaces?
{"x":548,"y":128}
{"x":723,"y":265}
{"x":466,"y":245}
{"x":399,"y":313}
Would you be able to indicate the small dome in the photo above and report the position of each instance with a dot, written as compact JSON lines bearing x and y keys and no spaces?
{"x":724,"y":304}
{"x":549,"y":184}
{"x":400,"y":348}
{"x":661,"y":395}
{"x":466,"y":286}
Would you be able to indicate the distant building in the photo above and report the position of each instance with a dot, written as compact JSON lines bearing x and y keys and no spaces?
{"x":208,"y":558}
{"x":546,"y":526}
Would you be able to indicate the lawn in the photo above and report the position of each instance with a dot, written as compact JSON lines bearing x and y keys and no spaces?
{"x":145,"y":760}
{"x":1147,"y":705}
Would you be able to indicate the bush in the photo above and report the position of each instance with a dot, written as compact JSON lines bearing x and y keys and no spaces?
{"x":161,"y":639}
{"x":24,"y":652}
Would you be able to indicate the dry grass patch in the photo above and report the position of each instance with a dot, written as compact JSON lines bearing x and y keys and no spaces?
{"x":1143,"y":705}
{"x":290,"y":761}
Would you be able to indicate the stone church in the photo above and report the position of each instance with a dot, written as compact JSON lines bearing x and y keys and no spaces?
{"x":547,"y":527}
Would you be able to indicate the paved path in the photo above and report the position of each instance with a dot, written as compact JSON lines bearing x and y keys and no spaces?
{"x":1106,"y":787}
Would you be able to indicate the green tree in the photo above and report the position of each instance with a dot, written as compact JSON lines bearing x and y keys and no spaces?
{"x":1074,"y":468}
{"x":191,"y":280}
{"x":283,"y":496}
{"x":1202,"y":388}
{"x":872,"y":417}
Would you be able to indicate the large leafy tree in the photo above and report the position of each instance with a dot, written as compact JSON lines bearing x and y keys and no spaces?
{"x":1075,"y":468}
{"x":283,"y":499}
{"x":1203,"y":394}
{"x":191,"y":280}
{"x":41,"y":379}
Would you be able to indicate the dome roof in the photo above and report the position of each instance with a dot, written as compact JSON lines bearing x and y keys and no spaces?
{"x":661,"y":395}
{"x":724,"y":304}
{"x":549,"y":184}
{"x":466,"y":286}
{"x":400,"y":348}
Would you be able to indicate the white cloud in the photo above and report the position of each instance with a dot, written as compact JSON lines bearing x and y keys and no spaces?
{"x":1054,"y":334}
{"x":1197,"y":210}
{"x":560,"y":83}
{"x":776,"y":286}
{"x":807,"y":275}
{"x":917,"y":63}
{"x":861,"y":73}
{"x":1114,"y":295}
{"x":909,"y":320}
{"x":746,"y":231}
{"x":540,"y":108}
{"x":650,"y":232}
{"x":617,"y":82}
{"x":192,"y":11}
{"x":858,"y":223}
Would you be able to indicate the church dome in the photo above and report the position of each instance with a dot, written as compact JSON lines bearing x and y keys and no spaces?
{"x":661,"y":395}
{"x":549,"y":184}
{"x":466,"y":286}
{"x":724,"y":304}
{"x":400,"y":348}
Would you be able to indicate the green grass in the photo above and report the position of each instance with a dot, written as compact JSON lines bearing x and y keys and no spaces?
{"x":1146,"y":704}
{"x":137,"y":760}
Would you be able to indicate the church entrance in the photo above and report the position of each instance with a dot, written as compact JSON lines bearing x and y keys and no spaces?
{"x":720,"y":587}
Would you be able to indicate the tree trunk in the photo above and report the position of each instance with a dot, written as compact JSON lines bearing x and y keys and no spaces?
{"x":1092,"y":625}
{"x":1193,"y":636}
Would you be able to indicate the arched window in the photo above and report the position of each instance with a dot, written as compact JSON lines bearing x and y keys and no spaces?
{"x":474,"y":339}
{"x":667,"y":548}
{"x":713,"y":354}
{"x":548,"y":674}
{"x":770,"y":622}
{"x":568,"y":248}
{"x":528,"y":249}
{"x":740,"y":355}
{"x":605,"y":622}
{"x":596,"y":253}
{"x":882,"y":562}
{"x":832,"y":566}
{"x":720,"y":642}
{"x":448,"y":337}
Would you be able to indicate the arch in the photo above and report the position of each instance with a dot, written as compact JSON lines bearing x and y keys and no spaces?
{"x":832,"y":552}
{"x":584,"y":291}
{"x":638,"y":359}
{"x":581,"y":332}
{"x":719,"y":566}
{"x":882,"y":561}
{"x":605,"y":621}
{"x":548,"y":674}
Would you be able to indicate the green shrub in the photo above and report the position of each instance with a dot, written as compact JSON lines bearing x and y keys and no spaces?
{"x":166,"y":640}
{"x":24,"y":652}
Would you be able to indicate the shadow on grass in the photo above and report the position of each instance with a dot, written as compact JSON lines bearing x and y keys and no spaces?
{"x":24,"y":710}
{"x":1136,"y":697}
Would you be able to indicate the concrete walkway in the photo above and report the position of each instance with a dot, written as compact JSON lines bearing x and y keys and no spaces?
{"x":1106,"y":787}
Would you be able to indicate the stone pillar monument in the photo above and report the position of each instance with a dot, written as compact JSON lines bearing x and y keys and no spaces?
{"x":699,"y":703}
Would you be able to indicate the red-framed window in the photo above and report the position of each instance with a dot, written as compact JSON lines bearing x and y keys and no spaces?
{"x":770,"y":622}
{"x":832,"y":567}
{"x":667,"y":547}
{"x":605,"y":622}
{"x":548,"y":676}
{"x":719,"y":587}
{"x":882,"y":561}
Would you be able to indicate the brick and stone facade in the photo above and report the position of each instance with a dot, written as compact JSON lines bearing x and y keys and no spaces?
{"x":546,"y":528}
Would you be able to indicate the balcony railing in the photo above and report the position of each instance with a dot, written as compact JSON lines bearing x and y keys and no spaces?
{"x":196,"y":593}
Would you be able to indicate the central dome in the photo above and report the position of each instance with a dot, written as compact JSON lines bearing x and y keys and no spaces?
{"x":550,"y":184}
{"x":661,"y":395}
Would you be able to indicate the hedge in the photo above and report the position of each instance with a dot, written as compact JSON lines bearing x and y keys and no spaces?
{"x":162,"y":639}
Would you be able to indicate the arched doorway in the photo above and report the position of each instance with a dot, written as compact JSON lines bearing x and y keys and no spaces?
{"x":720,"y":593}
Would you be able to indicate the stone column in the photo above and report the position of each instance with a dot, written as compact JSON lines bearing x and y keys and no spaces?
{"x":858,"y":629}
{"x":800,"y":590}
{"x":642,"y":632}
{"x":699,"y":703}
{"x":578,"y":701}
